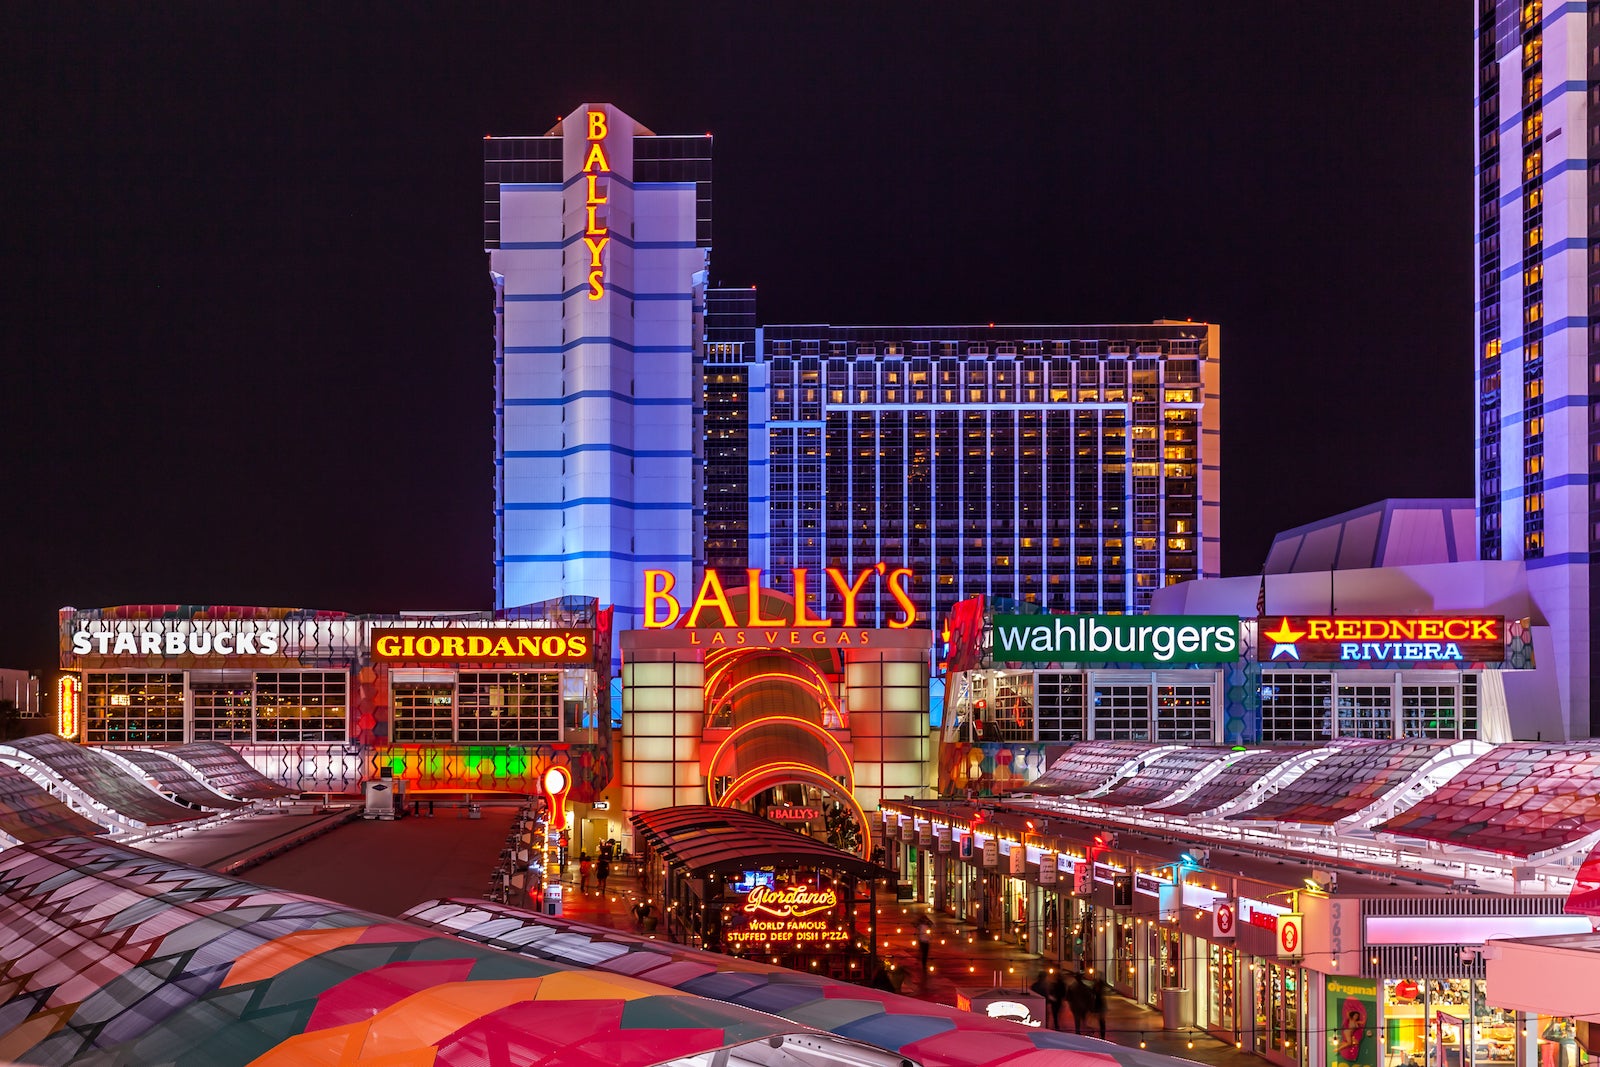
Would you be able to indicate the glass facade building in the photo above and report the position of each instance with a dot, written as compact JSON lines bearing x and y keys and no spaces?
{"x":1074,"y":467}
{"x":1538,"y":316}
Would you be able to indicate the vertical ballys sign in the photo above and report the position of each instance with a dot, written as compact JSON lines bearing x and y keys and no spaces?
{"x":1159,"y":640}
{"x":596,"y":234}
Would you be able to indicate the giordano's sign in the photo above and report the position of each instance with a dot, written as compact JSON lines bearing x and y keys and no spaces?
{"x":789,"y":915}
{"x":711,"y":620}
{"x":557,"y":647}
{"x":1158,"y":640}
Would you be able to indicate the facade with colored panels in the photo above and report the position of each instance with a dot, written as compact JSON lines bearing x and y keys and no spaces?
{"x":1538,"y":305}
{"x":321,"y":700}
{"x":598,"y":234}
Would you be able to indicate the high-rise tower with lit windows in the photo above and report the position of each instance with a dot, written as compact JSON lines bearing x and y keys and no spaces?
{"x":1538,"y":317}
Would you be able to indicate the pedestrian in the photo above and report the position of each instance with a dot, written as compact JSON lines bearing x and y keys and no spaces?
{"x":1077,"y":997}
{"x":924,"y":940}
{"x":1097,"y":1003}
{"x":430,"y":808}
{"x":1058,"y":997}
{"x":1041,"y":989}
{"x":602,"y":871}
{"x":585,"y":868}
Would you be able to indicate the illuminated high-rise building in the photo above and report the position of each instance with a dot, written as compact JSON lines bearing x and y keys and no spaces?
{"x":598,"y":235}
{"x":1538,"y":310}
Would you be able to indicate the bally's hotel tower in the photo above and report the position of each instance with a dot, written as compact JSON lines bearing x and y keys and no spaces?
{"x":1538,"y":314}
{"x":644,"y":421}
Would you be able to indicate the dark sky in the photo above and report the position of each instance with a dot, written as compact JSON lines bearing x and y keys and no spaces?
{"x":246,"y":312}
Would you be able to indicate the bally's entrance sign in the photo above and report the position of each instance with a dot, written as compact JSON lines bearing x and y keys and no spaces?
{"x":1151,"y":639}
{"x":1383,"y":638}
{"x":711,"y":619}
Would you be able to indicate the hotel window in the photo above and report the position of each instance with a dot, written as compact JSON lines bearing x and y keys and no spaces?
{"x":1183,"y":713}
{"x":1058,"y":706}
{"x":1366,"y":711}
{"x":423,"y":710}
{"x":1429,"y":711}
{"x":509,"y":706}
{"x":1296,"y":706}
{"x":301,"y":706}
{"x":1122,"y":713}
{"x":222,"y":708}
{"x":133,"y":707}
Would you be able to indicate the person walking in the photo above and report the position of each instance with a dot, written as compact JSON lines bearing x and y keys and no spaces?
{"x":602,"y":871}
{"x":1057,"y":997}
{"x":585,"y":868}
{"x":924,"y":941}
{"x":1041,"y":988}
{"x":1077,"y":997}
{"x":1097,"y":1003}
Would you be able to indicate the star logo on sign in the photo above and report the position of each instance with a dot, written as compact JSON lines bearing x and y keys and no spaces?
{"x":1283,"y":639}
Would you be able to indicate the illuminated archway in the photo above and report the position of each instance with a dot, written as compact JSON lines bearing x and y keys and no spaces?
{"x":768,"y":775}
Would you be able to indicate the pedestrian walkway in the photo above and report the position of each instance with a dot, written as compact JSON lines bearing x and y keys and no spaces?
{"x":959,"y":959}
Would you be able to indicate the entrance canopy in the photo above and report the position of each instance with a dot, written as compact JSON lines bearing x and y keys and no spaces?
{"x":707,"y":840}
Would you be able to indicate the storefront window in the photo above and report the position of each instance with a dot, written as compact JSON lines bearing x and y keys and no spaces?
{"x":1558,"y":1042}
{"x":1448,"y":1023}
{"x":1221,"y":978}
{"x":301,"y":706}
{"x":133,"y":707}
{"x":1277,"y":1001}
{"x":510,"y":706}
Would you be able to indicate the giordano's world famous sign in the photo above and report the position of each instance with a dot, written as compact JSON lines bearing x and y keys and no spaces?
{"x":711,"y":619}
{"x":1158,"y":640}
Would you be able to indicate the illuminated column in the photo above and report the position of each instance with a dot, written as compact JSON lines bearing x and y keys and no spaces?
{"x":887,"y":697}
{"x":662,"y":711}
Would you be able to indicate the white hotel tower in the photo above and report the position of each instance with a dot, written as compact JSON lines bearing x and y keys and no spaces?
{"x":1538,"y":317}
{"x":598,"y":235}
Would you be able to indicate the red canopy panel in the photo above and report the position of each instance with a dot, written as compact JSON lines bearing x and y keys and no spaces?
{"x":1230,"y":783}
{"x":107,"y":783}
{"x":1520,"y":799}
{"x":29,"y":813}
{"x":1159,"y":780}
{"x":1355,"y":777}
{"x":1089,"y":765}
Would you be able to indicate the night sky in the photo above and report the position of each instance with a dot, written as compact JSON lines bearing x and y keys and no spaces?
{"x":247,"y":325}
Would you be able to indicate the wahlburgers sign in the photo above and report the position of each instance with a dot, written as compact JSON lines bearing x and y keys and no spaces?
{"x":1155,"y":639}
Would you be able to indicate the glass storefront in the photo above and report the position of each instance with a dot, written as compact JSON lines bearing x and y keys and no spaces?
{"x":1221,"y":978}
{"x":1279,"y":1010}
{"x":1449,"y":1023}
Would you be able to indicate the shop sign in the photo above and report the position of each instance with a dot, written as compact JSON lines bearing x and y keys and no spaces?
{"x":596,"y":234}
{"x":793,"y":814}
{"x":991,"y":853}
{"x":600,"y":805}
{"x":1352,"y":1014}
{"x":1150,"y":887}
{"x":1080,"y":880}
{"x":68,"y":687}
{"x":788,"y":915}
{"x":925,"y":837}
{"x":1047,"y":868}
{"x":711,"y":607}
{"x":1019,"y":859}
{"x":555,"y":647}
{"x":1223,"y":921}
{"x":1104,"y":873}
{"x":1154,"y":639}
{"x":196,"y":637}
{"x":1383,"y":638}
{"x":941,"y":834}
{"x":966,"y":846}
{"x":1291,"y":933}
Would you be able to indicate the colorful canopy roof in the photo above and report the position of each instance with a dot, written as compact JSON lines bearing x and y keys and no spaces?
{"x":935,"y":1034}
{"x":1519,"y":799}
{"x":1091,"y":765}
{"x":29,"y":813}
{"x":707,"y":839}
{"x":117,"y":956}
{"x":226,"y":771}
{"x":1356,"y":775}
{"x":1230,"y":783}
{"x":1164,"y":777}
{"x":97,"y":776}
{"x":175,"y":779}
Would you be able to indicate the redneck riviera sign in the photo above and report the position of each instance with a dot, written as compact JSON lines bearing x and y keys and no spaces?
{"x":1154,"y":639}
{"x":1384,"y":638}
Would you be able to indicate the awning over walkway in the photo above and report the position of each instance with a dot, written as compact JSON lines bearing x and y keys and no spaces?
{"x":709,"y":840}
